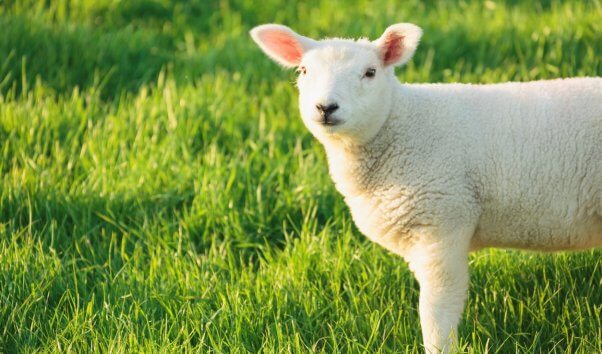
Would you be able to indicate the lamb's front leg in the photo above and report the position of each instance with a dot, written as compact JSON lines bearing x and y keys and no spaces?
{"x":442,"y":272}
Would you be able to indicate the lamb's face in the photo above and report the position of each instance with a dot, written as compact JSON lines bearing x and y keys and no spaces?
{"x":344,"y":85}
{"x":344,"y":89}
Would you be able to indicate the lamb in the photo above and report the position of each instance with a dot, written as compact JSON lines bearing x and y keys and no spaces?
{"x":434,"y":171}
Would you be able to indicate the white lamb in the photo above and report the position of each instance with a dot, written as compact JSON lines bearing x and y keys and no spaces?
{"x":433,"y":171}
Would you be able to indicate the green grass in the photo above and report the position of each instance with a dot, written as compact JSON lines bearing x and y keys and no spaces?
{"x":158,"y":191}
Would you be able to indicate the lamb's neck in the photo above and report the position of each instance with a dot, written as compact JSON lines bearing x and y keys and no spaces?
{"x":356,"y":169}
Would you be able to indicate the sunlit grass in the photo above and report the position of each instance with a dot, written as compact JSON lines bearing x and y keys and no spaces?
{"x":158,"y":191}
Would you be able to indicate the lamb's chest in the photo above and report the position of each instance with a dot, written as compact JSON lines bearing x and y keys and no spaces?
{"x":384,"y":221}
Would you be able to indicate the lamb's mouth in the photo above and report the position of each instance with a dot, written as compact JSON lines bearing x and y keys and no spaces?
{"x":330,"y":121}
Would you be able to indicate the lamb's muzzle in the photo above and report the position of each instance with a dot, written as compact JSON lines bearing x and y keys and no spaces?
{"x":325,"y":113}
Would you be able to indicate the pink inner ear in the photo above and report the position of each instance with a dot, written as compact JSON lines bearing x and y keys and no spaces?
{"x":393,"y":48}
{"x":285,"y":46}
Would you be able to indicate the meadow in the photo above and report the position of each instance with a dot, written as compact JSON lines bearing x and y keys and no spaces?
{"x":159,"y":193}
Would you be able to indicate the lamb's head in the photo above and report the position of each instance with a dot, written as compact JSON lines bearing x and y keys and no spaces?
{"x":345,"y":86}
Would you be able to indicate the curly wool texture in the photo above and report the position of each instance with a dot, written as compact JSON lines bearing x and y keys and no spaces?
{"x":522,"y":162}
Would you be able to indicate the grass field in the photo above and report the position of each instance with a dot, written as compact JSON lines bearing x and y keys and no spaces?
{"x":159,"y":193}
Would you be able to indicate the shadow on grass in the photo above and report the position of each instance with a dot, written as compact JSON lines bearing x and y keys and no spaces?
{"x":65,"y":219}
{"x":78,"y":246}
{"x":64,"y":57}
{"x":64,"y":222}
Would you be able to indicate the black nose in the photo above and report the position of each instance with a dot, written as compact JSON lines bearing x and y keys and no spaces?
{"x":327,"y":110}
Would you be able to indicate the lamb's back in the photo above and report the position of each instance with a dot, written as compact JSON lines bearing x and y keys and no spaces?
{"x":538,"y":166}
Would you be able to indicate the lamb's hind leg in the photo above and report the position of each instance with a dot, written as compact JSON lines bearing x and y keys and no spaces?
{"x":442,"y":272}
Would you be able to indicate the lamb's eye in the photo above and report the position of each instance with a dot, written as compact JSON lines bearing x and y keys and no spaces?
{"x":370,"y":72}
{"x":301,"y":70}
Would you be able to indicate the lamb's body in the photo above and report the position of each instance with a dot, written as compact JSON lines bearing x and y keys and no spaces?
{"x":433,"y":171}
{"x":521,"y":162}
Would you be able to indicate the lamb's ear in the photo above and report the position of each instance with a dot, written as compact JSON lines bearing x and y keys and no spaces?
{"x":282,"y":44}
{"x":398,"y":43}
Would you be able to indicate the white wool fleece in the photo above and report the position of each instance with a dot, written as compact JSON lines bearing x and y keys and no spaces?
{"x":434,"y":171}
